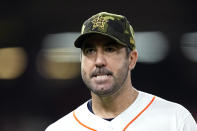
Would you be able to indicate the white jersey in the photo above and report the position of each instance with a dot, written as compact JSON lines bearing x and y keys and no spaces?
{"x":147,"y":113}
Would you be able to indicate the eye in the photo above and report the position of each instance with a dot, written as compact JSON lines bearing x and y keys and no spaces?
{"x":110,"y":49}
{"x":89,"y":51}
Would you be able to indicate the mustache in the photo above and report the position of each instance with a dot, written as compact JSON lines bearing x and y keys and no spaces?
{"x":100,"y":71}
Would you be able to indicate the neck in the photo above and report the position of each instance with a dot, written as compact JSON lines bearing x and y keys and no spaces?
{"x":111,"y":106}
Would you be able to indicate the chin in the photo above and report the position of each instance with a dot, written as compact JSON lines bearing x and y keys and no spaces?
{"x":103,"y":91}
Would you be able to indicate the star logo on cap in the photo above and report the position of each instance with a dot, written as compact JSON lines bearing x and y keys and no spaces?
{"x":99,"y":22}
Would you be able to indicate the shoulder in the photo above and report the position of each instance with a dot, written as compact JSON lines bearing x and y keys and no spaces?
{"x":59,"y":124}
{"x":171,"y":107}
{"x":166,"y":105}
{"x":171,"y":111}
{"x":66,"y":122}
{"x":163,"y":103}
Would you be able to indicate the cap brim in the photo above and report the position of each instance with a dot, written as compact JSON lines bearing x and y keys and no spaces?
{"x":79,"y":41}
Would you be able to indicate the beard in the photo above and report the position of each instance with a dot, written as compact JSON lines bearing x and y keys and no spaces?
{"x":118,"y":80}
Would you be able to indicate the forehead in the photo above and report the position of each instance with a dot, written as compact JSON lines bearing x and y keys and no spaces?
{"x":94,"y":39}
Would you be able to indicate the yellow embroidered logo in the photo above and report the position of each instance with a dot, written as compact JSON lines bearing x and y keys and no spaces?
{"x":99,"y":22}
{"x":132,"y":40}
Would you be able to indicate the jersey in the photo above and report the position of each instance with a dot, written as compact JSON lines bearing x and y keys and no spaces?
{"x":148,"y":112}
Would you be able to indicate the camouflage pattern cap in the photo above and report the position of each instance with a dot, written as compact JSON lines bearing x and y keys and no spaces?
{"x":114,"y":26}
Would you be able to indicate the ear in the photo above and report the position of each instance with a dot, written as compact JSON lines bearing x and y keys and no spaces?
{"x":80,"y":55}
{"x":133,"y":56}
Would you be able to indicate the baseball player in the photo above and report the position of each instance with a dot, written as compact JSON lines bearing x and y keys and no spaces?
{"x":108,"y":55}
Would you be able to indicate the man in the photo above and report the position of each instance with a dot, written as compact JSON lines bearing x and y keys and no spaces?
{"x":108,"y":56}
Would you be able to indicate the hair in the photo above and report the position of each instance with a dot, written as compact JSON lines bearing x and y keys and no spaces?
{"x":128,"y":50}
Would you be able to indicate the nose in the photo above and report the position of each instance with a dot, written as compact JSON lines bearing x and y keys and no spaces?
{"x":100,"y":59}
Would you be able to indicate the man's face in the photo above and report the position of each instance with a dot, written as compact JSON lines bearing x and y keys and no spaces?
{"x":104,"y":65}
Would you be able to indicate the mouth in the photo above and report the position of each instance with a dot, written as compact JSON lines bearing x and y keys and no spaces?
{"x":102,"y":78}
{"x":100,"y":75}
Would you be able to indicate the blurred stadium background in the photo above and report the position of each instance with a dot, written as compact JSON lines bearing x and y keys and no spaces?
{"x":40,"y":69}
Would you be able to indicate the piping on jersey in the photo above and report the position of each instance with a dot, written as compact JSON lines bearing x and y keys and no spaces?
{"x":82,"y":123}
{"x":139,"y":114}
{"x":125,"y":126}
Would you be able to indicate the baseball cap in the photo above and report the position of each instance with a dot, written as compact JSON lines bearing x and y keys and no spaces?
{"x":115,"y":26}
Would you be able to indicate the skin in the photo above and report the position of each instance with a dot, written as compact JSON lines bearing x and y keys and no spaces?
{"x":106,"y":70}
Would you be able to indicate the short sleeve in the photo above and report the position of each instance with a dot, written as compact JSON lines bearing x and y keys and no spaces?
{"x":189,"y":124}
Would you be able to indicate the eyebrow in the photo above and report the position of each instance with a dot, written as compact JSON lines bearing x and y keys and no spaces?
{"x":87,"y":44}
{"x":114,"y":43}
{"x":110,"y":42}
